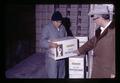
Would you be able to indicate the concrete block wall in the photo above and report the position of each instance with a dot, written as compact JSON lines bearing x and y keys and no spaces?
{"x":43,"y":16}
{"x":79,"y":22}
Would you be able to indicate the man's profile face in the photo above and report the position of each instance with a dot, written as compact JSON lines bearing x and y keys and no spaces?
{"x":57,"y":23}
{"x":97,"y":19}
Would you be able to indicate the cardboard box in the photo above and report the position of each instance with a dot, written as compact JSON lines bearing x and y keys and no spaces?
{"x":82,"y":40}
{"x":75,"y":76}
{"x":76,"y":67}
{"x":77,"y":63}
{"x":65,"y":48}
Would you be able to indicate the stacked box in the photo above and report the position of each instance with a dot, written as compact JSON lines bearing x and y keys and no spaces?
{"x":82,"y":40}
{"x":76,"y":67}
{"x":77,"y":63}
{"x":66,"y":48}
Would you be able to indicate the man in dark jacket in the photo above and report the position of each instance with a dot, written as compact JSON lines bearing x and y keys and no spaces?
{"x":103,"y":44}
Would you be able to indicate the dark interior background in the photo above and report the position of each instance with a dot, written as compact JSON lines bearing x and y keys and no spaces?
{"x":19,"y":33}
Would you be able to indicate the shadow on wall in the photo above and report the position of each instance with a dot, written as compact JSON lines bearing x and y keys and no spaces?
{"x":67,"y":24}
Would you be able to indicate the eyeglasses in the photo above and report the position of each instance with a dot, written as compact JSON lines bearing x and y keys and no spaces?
{"x":95,"y":18}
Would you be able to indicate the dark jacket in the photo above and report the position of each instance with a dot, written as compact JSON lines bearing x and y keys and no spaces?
{"x":104,"y":53}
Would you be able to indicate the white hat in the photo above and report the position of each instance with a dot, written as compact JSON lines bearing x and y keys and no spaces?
{"x":102,"y":9}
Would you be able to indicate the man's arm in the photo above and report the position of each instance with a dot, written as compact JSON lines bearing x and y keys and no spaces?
{"x":44,"y":38}
{"x":89,"y":45}
{"x":45,"y":43}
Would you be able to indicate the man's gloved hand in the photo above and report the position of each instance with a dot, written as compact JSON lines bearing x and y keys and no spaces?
{"x":77,"y":52}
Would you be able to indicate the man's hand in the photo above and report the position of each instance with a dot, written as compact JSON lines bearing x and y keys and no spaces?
{"x":53,"y":45}
{"x":77,"y":52}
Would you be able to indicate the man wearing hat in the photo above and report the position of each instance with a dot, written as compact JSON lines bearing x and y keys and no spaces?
{"x":53,"y":30}
{"x":103,"y":44}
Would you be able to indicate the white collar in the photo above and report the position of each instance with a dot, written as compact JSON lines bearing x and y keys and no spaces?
{"x":102,"y":29}
{"x":58,"y":29}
